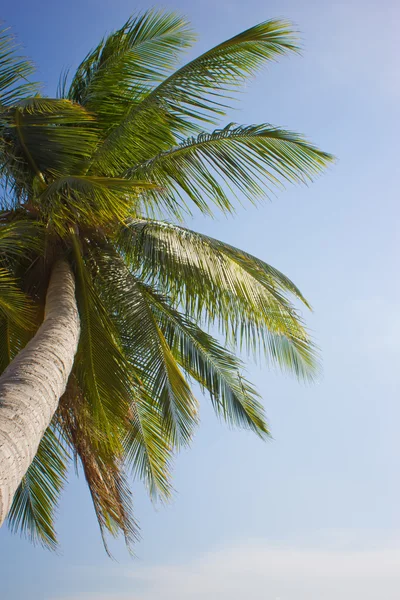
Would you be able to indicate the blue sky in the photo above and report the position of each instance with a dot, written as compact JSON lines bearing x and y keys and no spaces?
{"x":314,"y":513}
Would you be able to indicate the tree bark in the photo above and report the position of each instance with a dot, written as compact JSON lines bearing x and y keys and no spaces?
{"x":31,"y":386}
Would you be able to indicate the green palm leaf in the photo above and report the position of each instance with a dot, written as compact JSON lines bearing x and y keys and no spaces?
{"x":222,"y":285}
{"x":41,"y":135}
{"x":13,"y":338}
{"x":147,"y":351}
{"x":196,"y":92}
{"x":14,"y":304}
{"x":93,"y":201}
{"x":212,"y":366}
{"x":14,"y":72}
{"x":19,"y":238}
{"x":148,"y":448}
{"x":246,"y":159}
{"x":100,"y":367}
{"x":34,"y":506}
{"x":129,"y":63}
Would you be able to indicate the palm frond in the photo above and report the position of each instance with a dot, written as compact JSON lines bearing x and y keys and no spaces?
{"x":47,"y":137}
{"x":101,"y":369}
{"x":197,"y":91}
{"x":13,"y":338}
{"x":19,"y":237}
{"x":89,"y":201}
{"x":221,"y":285}
{"x":14,"y":72}
{"x":146,"y":349}
{"x":148,"y":444}
{"x":63,"y":85}
{"x":35,"y":502}
{"x":14,"y":304}
{"x":216,"y":369}
{"x":129,"y":63}
{"x":148,"y":449}
{"x":245,"y":159}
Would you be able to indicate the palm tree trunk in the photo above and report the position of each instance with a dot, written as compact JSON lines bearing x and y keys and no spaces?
{"x":31,"y":386}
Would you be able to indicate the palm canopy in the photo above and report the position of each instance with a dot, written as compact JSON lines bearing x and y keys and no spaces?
{"x":88,"y":176}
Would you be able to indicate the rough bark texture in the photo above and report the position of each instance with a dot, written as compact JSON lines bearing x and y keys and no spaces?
{"x":31,"y":386}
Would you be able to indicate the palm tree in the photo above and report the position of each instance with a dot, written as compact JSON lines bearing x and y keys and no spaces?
{"x":106,"y":300}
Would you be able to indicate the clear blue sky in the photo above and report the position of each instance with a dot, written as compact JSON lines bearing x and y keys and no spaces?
{"x":315,"y":513}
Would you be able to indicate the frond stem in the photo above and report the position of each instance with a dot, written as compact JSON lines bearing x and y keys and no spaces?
{"x":18,"y":126}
